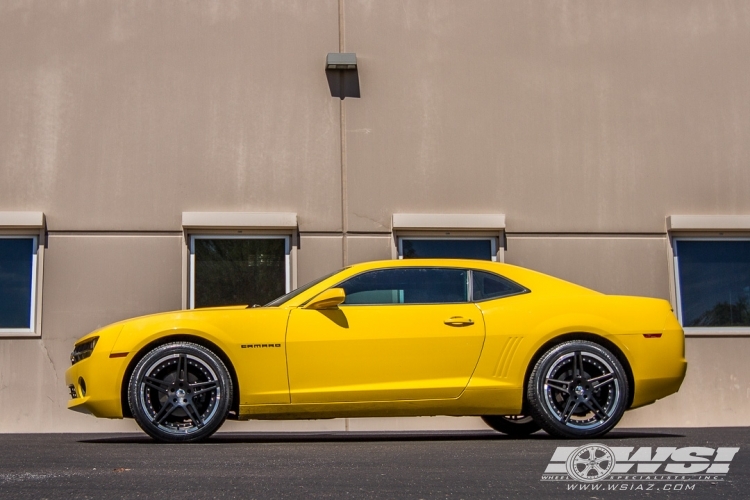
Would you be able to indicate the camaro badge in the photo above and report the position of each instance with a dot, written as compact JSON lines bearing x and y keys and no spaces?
{"x":258,"y":346}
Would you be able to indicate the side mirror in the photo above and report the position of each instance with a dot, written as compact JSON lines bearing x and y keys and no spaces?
{"x":328,"y":299}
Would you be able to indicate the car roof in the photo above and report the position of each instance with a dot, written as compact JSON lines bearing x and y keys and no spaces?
{"x":468,"y":263}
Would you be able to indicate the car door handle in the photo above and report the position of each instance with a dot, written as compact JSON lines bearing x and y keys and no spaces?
{"x":458,"y":321}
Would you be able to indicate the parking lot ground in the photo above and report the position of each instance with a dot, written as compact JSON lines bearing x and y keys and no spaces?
{"x":390,"y":465}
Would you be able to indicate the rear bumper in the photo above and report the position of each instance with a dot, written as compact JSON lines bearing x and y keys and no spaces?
{"x":648,"y":390}
{"x":658,"y":363}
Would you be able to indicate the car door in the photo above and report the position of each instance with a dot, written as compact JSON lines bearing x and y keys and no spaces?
{"x":402,"y":334}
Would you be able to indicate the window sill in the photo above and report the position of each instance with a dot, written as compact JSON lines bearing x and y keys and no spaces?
{"x":730,"y":331}
{"x":18,"y":334}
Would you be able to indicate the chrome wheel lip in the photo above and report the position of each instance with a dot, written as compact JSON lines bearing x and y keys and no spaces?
{"x":185,"y":430}
{"x":582,"y":389}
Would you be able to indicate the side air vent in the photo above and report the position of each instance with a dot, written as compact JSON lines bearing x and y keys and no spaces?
{"x":503,"y":364}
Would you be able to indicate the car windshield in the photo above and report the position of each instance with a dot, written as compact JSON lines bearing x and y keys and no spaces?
{"x":294,"y":293}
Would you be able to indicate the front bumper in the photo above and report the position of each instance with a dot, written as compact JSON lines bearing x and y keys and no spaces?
{"x":97,"y":382}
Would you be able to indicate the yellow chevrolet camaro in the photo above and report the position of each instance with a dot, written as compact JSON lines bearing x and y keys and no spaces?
{"x":521,"y":349}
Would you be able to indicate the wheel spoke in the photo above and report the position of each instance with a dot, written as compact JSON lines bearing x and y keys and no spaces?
{"x":559,"y":385}
{"x":181,"y":368}
{"x":194,"y":414}
{"x":570,"y":407}
{"x":165,"y":411}
{"x":593,"y":405}
{"x":578,"y":363}
{"x":155,"y":383}
{"x":202,"y":384}
{"x":599,"y":407}
{"x":201,"y":387}
{"x":601,"y":380}
{"x":568,"y":404}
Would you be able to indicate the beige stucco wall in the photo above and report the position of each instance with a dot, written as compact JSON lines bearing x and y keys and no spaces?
{"x":569,"y":116}
{"x":318,"y":256}
{"x":618,"y":265}
{"x":121,"y":115}
{"x":586,"y":123}
{"x":90,"y":281}
{"x":367,"y":248}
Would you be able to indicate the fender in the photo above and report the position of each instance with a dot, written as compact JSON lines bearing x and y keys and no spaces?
{"x":261,"y":373}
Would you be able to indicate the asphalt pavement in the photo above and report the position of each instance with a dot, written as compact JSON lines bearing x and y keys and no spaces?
{"x":412,"y":465}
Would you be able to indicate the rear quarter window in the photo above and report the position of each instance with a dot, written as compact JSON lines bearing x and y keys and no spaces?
{"x":488,"y":286}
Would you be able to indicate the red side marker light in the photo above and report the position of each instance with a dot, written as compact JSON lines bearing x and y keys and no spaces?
{"x":652,"y":335}
{"x":118,"y":355}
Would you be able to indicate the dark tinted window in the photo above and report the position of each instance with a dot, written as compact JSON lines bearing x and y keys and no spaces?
{"x":16,"y":259}
{"x":446,"y":249}
{"x":407,"y":286}
{"x":238,"y":271}
{"x":714,"y":281}
{"x":491,"y":286}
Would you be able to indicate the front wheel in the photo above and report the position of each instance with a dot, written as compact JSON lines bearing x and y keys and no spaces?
{"x":512,"y":425}
{"x":578,"y":389}
{"x":180,"y":392}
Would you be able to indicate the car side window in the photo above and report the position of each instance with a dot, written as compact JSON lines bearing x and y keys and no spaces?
{"x":491,"y":286}
{"x":408,"y":285}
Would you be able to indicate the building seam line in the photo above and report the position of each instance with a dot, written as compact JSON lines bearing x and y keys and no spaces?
{"x":342,"y":127}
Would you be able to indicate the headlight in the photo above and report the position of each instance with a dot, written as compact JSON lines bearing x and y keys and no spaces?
{"x":83,"y":350}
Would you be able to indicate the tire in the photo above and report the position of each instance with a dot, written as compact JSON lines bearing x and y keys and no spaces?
{"x":180,"y":392}
{"x":512,"y":425}
{"x":578,"y":389}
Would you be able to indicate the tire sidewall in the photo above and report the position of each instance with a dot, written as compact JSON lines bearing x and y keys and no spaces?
{"x":536,"y":397}
{"x":509,"y":427}
{"x":223,"y":405}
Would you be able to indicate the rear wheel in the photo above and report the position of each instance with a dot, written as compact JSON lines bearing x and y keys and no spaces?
{"x":578,"y":389}
{"x":180,"y":392}
{"x":512,"y":425}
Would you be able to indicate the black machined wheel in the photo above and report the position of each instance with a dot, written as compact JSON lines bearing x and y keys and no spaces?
{"x":578,"y":389}
{"x":180,"y":392}
{"x":512,"y":425}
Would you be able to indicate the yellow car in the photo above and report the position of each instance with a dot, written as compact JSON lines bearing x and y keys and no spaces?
{"x":519,"y":348}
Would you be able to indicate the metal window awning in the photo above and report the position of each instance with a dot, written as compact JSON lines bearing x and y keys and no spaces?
{"x":22,"y":220}
{"x":708,"y":223}
{"x":250,"y":220}
{"x":458,"y":222}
